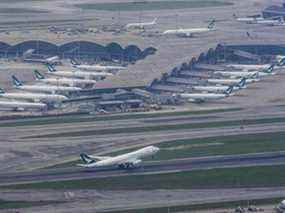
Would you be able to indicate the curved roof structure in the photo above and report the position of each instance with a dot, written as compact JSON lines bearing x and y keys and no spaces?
{"x":75,"y":49}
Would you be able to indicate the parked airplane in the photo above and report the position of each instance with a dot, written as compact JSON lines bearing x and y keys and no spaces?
{"x":96,"y":67}
{"x":238,"y":74}
{"x":188,"y":32}
{"x":249,"y":20}
{"x":42,"y":88}
{"x":79,"y":74}
{"x":37,"y":97}
{"x":262,"y":70}
{"x":125,"y":161}
{"x":215,"y":89}
{"x":141,"y":25}
{"x":249,"y":66}
{"x":271,"y":22}
{"x":50,"y":60}
{"x":63,"y":81}
{"x":202,"y":97}
{"x":19,"y":105}
{"x":240,"y":83}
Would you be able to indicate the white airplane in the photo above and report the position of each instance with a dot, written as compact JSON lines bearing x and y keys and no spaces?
{"x":62,"y":81}
{"x":237,"y":74}
{"x":188,"y":32}
{"x":249,"y":20}
{"x":37,"y":97}
{"x":215,"y":89}
{"x":249,"y":66}
{"x":281,"y":206}
{"x":141,"y":25}
{"x":271,"y":22}
{"x":202,"y":97}
{"x":42,"y":88}
{"x":19,"y":105}
{"x":79,"y":74}
{"x":50,"y":60}
{"x":125,"y":161}
{"x":240,"y":83}
{"x":96,"y":67}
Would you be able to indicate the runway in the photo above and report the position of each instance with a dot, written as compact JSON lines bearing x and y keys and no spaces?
{"x":190,"y":164}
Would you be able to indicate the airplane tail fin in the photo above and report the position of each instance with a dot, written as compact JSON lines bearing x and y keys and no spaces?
{"x":281,"y":61}
{"x":38,"y":75}
{"x":73,"y":62}
{"x":242,"y":83}
{"x":86,"y":159}
{"x":229,"y":90}
{"x":154,"y":21}
{"x":51,"y":68}
{"x":16,"y":81}
{"x":212,"y":24}
{"x":269,"y":69}
{"x":2,"y":91}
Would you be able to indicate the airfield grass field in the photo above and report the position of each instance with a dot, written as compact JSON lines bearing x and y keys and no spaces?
{"x":196,"y":207}
{"x":5,"y":204}
{"x":64,"y":119}
{"x":152,"y":5}
{"x":221,"y":145}
{"x":259,"y":176}
{"x":211,"y":146}
{"x":165,"y":127}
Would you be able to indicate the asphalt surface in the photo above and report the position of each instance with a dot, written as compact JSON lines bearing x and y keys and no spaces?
{"x":191,"y":164}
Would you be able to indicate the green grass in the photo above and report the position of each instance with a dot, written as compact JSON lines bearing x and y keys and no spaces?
{"x":166,"y":127}
{"x":259,"y":176}
{"x":207,"y":206}
{"x":89,"y":118}
{"x":152,"y":5}
{"x":221,"y":145}
{"x":210,"y":146}
{"x":23,"y":204}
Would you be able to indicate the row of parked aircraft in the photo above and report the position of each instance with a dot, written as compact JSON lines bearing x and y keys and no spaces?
{"x":233,"y":78}
{"x":55,"y":88}
{"x":185,"y":32}
{"x":273,"y":21}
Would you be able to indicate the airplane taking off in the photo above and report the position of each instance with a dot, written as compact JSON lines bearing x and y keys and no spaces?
{"x":141,"y":25}
{"x":42,"y":88}
{"x":37,"y":97}
{"x":96,"y":67}
{"x":79,"y":74}
{"x":19,"y":105}
{"x":125,"y":161}
{"x":63,"y":81}
{"x":188,"y":32}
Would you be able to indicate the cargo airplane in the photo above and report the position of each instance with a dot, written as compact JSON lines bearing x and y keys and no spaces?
{"x":125,"y":161}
